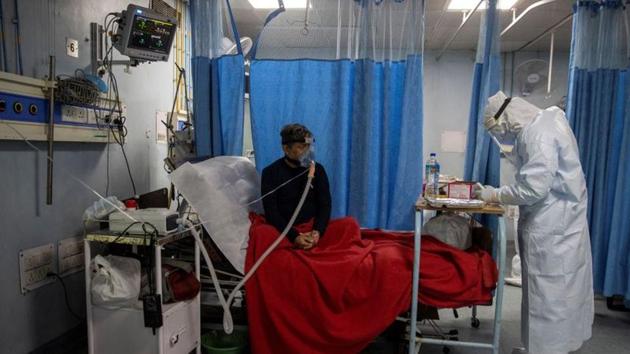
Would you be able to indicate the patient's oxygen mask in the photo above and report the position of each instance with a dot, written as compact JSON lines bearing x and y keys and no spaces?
{"x":300,"y":153}
{"x":307,"y":156}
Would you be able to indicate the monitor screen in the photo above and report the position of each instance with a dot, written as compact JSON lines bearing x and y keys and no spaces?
{"x":151,"y":34}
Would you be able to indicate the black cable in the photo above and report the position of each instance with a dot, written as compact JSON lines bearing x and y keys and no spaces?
{"x":65,"y":292}
{"x":116,"y":107}
{"x":152,"y":239}
{"x":179,"y":80}
{"x":108,"y":142}
{"x":125,"y":231}
{"x":114,"y":104}
{"x":173,"y":139}
{"x":188,"y":116}
{"x":133,"y":185}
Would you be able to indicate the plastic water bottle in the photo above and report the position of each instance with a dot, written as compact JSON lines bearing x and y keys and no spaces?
{"x":432,"y":176}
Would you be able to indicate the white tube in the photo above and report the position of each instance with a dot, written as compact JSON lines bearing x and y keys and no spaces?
{"x":228,"y":323}
{"x":68,"y":173}
{"x":338,"y":55}
{"x":551,"y":47}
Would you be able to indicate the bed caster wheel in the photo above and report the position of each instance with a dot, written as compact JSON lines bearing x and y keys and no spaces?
{"x":446,"y":350}
{"x":475,"y":323}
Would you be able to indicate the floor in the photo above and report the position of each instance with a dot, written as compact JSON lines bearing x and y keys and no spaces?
{"x":611,"y":330}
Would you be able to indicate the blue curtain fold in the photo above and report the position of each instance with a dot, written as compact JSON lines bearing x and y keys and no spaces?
{"x":367,"y":120}
{"x":482,"y":157}
{"x":218,"y":82}
{"x":482,"y":163}
{"x":598,"y":108}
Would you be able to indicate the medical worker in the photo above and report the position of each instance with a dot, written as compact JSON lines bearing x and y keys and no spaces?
{"x":557,"y":306}
{"x":297,"y":144}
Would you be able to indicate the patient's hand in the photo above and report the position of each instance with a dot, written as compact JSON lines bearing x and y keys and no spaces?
{"x":307,"y":240}
{"x":304,"y":241}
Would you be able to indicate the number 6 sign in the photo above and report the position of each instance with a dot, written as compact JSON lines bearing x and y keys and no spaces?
{"x":72,"y":47}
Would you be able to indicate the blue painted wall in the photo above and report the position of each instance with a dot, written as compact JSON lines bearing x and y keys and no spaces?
{"x":28,"y":321}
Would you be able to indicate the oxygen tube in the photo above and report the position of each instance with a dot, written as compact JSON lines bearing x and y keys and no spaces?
{"x":228,"y":323}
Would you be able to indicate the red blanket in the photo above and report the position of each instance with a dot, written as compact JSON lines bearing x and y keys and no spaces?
{"x":340,"y":295}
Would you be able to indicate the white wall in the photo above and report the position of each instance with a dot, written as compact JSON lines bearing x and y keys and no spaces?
{"x":447,"y":92}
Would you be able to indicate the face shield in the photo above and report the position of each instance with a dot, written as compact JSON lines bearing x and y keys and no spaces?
{"x":497,"y":126}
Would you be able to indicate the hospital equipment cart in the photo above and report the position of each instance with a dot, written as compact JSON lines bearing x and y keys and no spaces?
{"x":500,"y":252}
{"x":122,"y":330}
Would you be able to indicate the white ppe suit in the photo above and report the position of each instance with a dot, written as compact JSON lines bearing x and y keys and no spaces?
{"x":550,"y":189}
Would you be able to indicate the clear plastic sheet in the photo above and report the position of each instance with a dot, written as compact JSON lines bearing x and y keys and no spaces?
{"x":220,"y":190}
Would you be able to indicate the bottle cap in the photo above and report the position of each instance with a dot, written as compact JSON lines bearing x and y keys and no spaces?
{"x":131,"y":204}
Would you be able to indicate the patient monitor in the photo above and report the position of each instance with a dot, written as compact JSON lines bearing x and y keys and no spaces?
{"x":145,"y":34}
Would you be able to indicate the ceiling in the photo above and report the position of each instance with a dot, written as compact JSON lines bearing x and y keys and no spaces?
{"x":440,"y":25}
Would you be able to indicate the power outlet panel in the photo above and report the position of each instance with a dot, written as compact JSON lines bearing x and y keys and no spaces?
{"x":70,"y":254}
{"x":35,"y":264}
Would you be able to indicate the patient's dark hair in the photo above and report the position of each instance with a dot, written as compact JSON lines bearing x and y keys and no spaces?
{"x":294,"y":133}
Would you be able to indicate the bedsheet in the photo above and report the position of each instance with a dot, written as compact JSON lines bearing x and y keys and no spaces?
{"x":338,"y":296}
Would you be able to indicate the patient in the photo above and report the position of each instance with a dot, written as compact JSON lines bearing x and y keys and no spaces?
{"x":279,"y":206}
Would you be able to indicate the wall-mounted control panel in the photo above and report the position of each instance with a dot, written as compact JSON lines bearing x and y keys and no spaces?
{"x":24,"y":114}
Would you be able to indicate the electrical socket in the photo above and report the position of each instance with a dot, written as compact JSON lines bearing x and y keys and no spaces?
{"x":70,"y":255}
{"x":37,"y":275}
{"x":36,"y":257}
{"x":69,"y":247}
{"x":71,"y":264}
{"x":35,"y":264}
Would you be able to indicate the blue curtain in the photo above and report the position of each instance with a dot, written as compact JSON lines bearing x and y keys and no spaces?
{"x":482,"y":162}
{"x":366,"y":116}
{"x":218,"y":82}
{"x":482,"y":157}
{"x":598,"y":108}
{"x":367,"y":120}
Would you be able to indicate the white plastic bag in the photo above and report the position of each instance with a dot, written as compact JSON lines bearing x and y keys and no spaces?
{"x":115,"y":281}
{"x":101,"y":208}
{"x":451,"y":229}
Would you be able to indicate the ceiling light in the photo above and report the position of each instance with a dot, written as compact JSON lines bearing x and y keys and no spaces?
{"x":273,"y":4}
{"x":470,"y":4}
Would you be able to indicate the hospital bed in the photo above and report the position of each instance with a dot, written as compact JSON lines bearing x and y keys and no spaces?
{"x":224,"y":190}
{"x":499,"y":252}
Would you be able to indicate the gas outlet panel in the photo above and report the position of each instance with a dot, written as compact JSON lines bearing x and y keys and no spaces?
{"x":24,"y":114}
